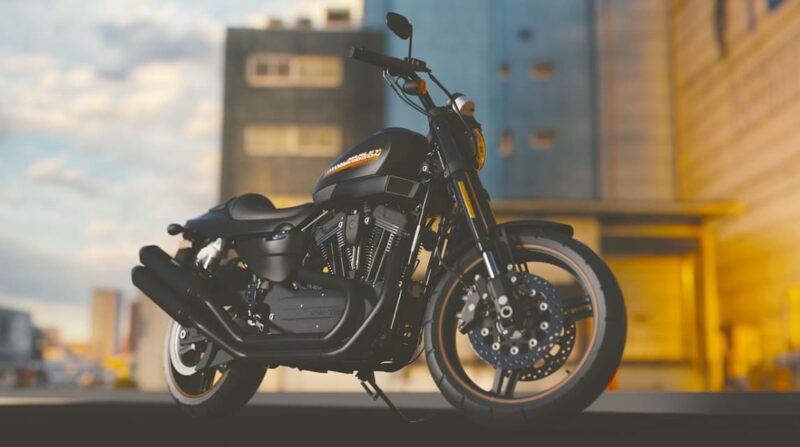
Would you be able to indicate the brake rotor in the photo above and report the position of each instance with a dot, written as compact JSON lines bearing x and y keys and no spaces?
{"x":530,"y":342}
{"x":553,"y":360}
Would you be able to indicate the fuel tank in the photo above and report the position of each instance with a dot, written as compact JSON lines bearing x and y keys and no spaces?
{"x":384,"y":166}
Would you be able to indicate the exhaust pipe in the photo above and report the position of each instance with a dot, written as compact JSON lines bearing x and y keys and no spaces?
{"x":170,"y":271}
{"x":183,"y":296}
{"x":161,"y":294}
{"x":160,"y":288}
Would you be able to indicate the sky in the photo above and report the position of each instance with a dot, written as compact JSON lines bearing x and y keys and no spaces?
{"x":110,"y":120}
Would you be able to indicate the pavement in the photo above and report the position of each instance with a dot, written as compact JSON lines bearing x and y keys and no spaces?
{"x":31,"y":417}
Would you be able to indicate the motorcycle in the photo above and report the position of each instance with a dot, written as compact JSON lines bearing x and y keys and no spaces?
{"x":519,"y":322}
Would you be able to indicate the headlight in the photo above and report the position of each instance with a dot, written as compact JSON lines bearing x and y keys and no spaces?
{"x":480,"y":148}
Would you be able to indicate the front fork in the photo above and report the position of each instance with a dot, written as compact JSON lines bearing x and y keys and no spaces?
{"x":495,"y":251}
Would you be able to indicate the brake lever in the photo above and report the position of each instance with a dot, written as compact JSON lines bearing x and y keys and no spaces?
{"x":417,"y":64}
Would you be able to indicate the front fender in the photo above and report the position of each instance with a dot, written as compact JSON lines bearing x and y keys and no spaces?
{"x":556,"y":230}
{"x":506,"y":231}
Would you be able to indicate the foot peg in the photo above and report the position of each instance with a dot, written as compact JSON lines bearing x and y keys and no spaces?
{"x":367,"y":379}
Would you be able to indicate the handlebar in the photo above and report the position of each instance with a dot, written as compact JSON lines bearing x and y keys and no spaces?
{"x":407,"y":68}
{"x":397,"y":67}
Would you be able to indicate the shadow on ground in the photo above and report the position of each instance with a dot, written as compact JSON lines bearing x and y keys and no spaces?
{"x":155,"y":423}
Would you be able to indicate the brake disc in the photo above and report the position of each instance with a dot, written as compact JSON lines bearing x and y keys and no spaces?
{"x":553,"y":360}
{"x":524,"y":346}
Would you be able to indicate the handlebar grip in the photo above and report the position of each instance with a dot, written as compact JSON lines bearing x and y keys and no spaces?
{"x":393,"y":64}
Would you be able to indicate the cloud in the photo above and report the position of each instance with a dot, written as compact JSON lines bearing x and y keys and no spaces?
{"x":11,"y":195}
{"x":100,"y":228}
{"x":206,"y":120}
{"x":53,"y":171}
{"x":39,"y":275}
{"x":150,"y":38}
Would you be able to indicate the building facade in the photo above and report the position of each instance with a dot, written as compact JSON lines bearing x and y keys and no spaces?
{"x":293,"y":102}
{"x":147,"y":339}
{"x":737,"y":97}
{"x":529,"y":67}
{"x":104,"y":339}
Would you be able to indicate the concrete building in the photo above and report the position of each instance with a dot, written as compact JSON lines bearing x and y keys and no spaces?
{"x":736,"y":101}
{"x":147,"y":340}
{"x":529,"y":67}
{"x":292,"y":104}
{"x":104,"y":339}
{"x":16,"y":338}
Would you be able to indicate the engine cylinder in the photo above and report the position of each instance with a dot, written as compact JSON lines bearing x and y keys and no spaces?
{"x":356,"y":243}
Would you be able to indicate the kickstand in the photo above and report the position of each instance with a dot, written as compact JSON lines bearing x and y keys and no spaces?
{"x":367,"y":379}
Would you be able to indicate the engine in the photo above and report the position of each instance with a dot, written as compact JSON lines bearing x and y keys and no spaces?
{"x":357,"y":243}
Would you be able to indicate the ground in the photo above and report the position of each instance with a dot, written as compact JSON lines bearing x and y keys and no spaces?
{"x":153,"y":421}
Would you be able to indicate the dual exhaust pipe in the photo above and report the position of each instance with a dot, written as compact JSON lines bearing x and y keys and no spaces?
{"x":186,"y":298}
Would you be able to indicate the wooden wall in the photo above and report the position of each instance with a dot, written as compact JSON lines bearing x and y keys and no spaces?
{"x":737,"y":121}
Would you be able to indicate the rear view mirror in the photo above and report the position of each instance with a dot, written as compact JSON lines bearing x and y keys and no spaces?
{"x":399,"y":25}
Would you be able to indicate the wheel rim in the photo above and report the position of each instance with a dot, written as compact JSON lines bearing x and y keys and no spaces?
{"x":184,"y":362}
{"x":500,"y":385}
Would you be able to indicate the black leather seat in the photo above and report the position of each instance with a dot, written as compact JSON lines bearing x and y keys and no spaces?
{"x":250,"y":214}
{"x":257,"y":207}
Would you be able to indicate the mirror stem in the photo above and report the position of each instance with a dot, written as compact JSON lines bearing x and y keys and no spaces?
{"x":410,"y":41}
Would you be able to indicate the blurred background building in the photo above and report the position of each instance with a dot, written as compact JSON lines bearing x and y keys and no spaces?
{"x":293,"y":103}
{"x":20,"y":348}
{"x":736,"y":98}
{"x":105,"y":324}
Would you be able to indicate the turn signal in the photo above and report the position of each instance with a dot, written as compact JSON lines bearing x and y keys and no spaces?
{"x":480,"y":148}
{"x":415,"y":87}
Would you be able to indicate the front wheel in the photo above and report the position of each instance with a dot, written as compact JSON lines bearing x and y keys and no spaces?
{"x":558,"y":355}
{"x":214,"y":391}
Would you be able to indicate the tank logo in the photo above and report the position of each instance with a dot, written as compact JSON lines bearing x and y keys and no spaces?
{"x":355,"y":160}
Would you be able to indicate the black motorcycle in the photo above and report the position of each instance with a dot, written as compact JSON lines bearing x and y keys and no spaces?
{"x":519,"y":322}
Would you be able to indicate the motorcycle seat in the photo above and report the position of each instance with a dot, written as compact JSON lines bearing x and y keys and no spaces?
{"x":249,"y":214}
{"x":257,"y":207}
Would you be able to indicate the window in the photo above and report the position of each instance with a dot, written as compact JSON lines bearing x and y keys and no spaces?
{"x":289,"y":70}
{"x":5,"y":329}
{"x":505,"y":71}
{"x":542,"y":139}
{"x":524,"y":34}
{"x":506,"y":143}
{"x":266,"y":140}
{"x":541,"y":71}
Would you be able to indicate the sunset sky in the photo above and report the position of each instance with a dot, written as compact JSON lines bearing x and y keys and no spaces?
{"x":110,"y":115}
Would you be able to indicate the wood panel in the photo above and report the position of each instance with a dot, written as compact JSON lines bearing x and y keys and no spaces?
{"x":738,"y":139}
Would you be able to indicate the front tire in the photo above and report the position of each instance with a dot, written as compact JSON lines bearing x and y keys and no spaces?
{"x":212,"y":392}
{"x":581,"y":386}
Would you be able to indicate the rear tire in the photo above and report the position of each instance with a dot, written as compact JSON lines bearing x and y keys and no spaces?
{"x":235,"y":385}
{"x":573,"y":394}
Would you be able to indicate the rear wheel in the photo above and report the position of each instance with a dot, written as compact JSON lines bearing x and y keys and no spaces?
{"x":205,"y":391}
{"x":554,"y":361}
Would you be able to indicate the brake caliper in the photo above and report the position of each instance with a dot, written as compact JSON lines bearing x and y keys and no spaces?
{"x":519,"y":345}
